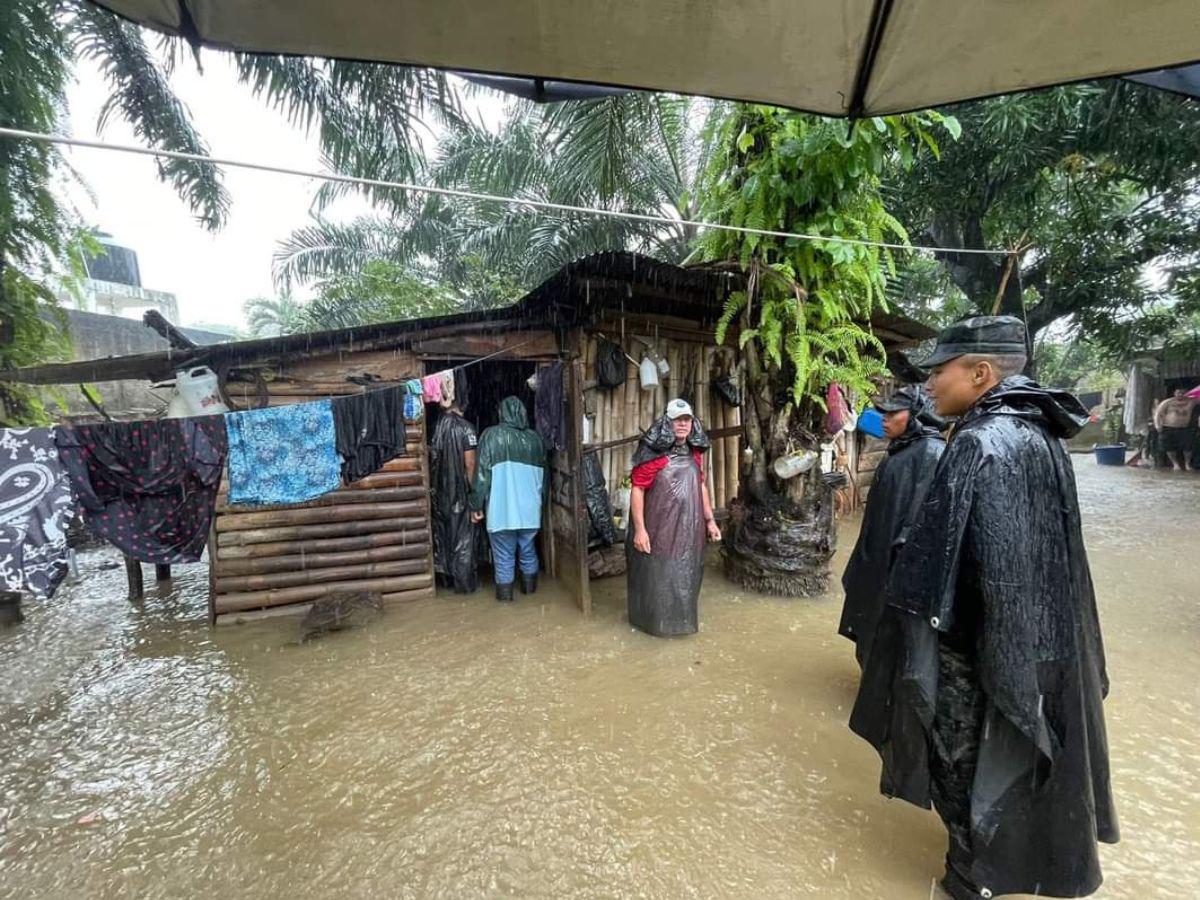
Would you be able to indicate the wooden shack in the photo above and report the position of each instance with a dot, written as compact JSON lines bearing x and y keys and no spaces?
{"x":375,"y":534}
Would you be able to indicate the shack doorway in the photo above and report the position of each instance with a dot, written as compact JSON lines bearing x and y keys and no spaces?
{"x":485,"y":385}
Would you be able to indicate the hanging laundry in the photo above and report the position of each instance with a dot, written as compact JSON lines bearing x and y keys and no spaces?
{"x":548,"y":410}
{"x":283,"y":455}
{"x":431,"y":386}
{"x":35,"y":509}
{"x":148,"y":488}
{"x":414,"y":407}
{"x":413,"y":386}
{"x":447,"y":388}
{"x":369,"y":430}
{"x":461,"y":391}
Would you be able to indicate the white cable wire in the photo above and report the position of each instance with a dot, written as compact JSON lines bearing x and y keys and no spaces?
{"x":472,"y":195}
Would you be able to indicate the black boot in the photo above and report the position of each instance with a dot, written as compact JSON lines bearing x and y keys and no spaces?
{"x":529,"y":583}
{"x":504,"y":592}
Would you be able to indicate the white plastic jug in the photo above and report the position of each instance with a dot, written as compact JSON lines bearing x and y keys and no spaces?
{"x":794,"y":464}
{"x":199,"y":388}
{"x":648,"y":373}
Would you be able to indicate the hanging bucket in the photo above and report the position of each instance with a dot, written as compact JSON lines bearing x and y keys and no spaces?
{"x":200,"y":390}
{"x":648,"y":373}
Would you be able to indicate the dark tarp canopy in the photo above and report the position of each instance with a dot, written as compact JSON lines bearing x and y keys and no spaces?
{"x":856,"y":57}
{"x":1183,"y":80}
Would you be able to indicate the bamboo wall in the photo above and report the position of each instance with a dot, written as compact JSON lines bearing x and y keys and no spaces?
{"x":628,"y":410}
{"x":372,"y":535}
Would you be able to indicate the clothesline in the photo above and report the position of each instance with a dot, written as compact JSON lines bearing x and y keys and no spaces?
{"x":19,"y":134}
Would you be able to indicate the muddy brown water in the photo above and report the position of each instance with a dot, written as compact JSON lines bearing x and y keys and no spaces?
{"x":463,"y":749}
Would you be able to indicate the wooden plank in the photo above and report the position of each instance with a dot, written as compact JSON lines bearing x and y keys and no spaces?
{"x":354,"y":543}
{"x":264,"y":565}
{"x":322,"y":530}
{"x":308,"y":515}
{"x":227,"y":603}
{"x":334,"y":498}
{"x":267,"y":581}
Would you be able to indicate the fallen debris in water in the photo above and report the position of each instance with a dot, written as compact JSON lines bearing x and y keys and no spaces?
{"x":340,"y":611}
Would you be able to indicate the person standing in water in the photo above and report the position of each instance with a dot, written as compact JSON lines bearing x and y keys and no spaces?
{"x":983,"y":691}
{"x":508,"y":493}
{"x":671,"y":514}
{"x":452,"y":469}
{"x":896,"y":495}
{"x":1173,"y":422}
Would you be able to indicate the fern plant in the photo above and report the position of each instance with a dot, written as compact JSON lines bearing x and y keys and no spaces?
{"x":803,"y":320}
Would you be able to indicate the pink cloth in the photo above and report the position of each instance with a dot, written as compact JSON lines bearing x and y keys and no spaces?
{"x":431,"y":385}
{"x":1194,"y":392}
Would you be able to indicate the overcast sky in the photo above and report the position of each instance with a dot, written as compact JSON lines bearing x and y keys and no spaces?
{"x":212,"y":274}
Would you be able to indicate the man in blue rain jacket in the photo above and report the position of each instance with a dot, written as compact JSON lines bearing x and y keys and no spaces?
{"x":509,"y":479}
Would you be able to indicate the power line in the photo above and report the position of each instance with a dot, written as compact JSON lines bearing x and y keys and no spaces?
{"x":471,"y":195}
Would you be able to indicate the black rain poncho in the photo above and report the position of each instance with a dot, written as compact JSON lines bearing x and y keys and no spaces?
{"x":897,"y":493}
{"x":983,"y":691}
{"x":664,"y":584}
{"x":454,"y":545}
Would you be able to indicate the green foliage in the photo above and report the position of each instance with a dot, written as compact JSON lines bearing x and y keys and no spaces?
{"x":34,"y":231}
{"x":141,"y":93}
{"x":273,"y":316}
{"x":635,"y":152}
{"x":1098,"y":180}
{"x":381,"y":292}
{"x":809,"y":302}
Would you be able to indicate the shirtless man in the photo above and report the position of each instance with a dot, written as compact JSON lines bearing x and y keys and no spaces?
{"x":1173,"y":419}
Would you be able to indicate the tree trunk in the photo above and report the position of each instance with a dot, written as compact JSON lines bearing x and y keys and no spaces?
{"x":781,"y":533}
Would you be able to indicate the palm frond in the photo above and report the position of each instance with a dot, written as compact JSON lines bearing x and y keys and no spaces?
{"x":142,"y":95}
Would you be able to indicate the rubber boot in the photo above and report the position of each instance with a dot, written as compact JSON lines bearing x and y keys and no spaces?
{"x":504,"y":592}
{"x":529,"y":583}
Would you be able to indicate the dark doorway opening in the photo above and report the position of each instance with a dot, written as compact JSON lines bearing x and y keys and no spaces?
{"x":487,"y":384}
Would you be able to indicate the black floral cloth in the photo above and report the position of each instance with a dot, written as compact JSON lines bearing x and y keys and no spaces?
{"x":35,"y":509}
{"x":148,"y":488}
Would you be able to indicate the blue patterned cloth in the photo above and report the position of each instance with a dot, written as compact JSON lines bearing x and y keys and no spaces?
{"x":282,"y":455}
{"x":414,"y":407}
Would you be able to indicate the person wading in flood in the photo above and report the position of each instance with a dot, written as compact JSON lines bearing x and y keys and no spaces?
{"x":1173,"y":421}
{"x":671,"y":515}
{"x":984,"y":688}
{"x":508,"y":486}
{"x":452,"y":470}
{"x":896,"y":494}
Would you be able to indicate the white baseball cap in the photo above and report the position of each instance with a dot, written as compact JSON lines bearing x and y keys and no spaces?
{"x":677,"y":408}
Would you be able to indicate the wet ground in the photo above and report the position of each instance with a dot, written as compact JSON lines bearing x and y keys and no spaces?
{"x":463,"y":749}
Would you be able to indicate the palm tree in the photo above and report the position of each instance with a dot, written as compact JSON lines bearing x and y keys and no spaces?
{"x":635,"y":152}
{"x":370,"y":119}
{"x":273,"y":316}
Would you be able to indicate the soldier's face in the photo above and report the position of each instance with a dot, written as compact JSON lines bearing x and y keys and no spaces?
{"x":956,"y":385}
{"x":896,"y":423}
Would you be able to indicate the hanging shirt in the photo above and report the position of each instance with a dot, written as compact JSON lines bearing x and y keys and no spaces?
{"x":148,"y":488}
{"x":549,"y":411}
{"x":431,"y":387}
{"x":35,"y":509}
{"x":369,"y":430}
{"x":283,"y":455}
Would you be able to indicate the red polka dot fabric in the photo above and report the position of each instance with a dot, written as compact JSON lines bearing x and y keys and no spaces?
{"x":149,"y":488}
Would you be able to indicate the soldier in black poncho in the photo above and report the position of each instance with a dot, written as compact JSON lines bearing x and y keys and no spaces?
{"x":983,"y":692}
{"x":452,"y":458}
{"x":896,"y":494}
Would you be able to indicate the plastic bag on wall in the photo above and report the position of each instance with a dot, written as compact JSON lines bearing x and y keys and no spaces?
{"x":610,"y":364}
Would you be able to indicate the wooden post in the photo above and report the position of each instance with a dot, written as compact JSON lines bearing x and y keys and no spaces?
{"x":10,"y":608}
{"x":133,"y":571}
{"x":162,"y":572}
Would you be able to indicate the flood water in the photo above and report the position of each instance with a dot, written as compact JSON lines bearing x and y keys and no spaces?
{"x":459,"y":748}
